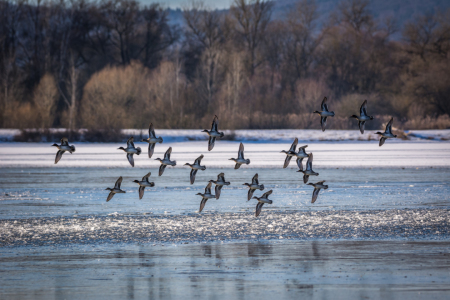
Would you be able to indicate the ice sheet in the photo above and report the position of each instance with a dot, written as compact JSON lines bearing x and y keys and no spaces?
{"x":326,"y":154}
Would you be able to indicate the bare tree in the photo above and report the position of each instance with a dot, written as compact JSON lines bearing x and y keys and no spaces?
{"x":428,"y":34}
{"x":302,"y":42}
{"x":44,"y":98}
{"x":234,"y":81}
{"x":11,"y":14}
{"x":206,"y":30}
{"x":356,"y":14}
{"x":252,"y":18}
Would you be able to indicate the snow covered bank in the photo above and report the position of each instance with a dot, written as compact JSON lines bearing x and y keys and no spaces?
{"x":262,"y":135}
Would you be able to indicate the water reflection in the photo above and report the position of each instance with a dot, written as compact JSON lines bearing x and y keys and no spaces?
{"x":260,"y":270}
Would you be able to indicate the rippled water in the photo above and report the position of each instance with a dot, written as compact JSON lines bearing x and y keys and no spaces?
{"x":258,"y":270}
{"x":52,"y":216}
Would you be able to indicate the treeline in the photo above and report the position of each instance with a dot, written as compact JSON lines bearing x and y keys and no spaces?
{"x":117,"y":64}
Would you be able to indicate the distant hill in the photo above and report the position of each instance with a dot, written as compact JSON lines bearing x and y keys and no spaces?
{"x":403,"y":10}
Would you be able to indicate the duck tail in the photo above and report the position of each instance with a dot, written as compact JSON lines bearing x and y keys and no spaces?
{"x":325,"y":187}
{"x":160,"y":139}
{"x":138,"y":149}
{"x":261,"y":187}
{"x":248,"y":161}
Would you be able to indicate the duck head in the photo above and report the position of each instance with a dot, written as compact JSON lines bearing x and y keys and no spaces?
{"x":121,"y":148}
{"x":200,"y":194}
{"x":187,"y":164}
{"x":137,"y":181}
{"x":283,"y":151}
{"x":108,"y":189}
{"x":247,"y":184}
{"x":354,"y":116}
{"x":158,"y":159}
{"x":205,"y":130}
{"x":233,"y":159}
{"x":54,"y":145}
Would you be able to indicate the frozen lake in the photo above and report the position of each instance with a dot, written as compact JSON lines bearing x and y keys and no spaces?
{"x":57,"y":232}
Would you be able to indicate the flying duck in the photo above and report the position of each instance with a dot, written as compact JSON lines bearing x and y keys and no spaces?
{"x":166,"y":161}
{"x":387,"y":134}
{"x":301,"y":154}
{"x":309,"y":171}
{"x":261,"y":200}
{"x":317,"y":186}
{"x":240,"y":160}
{"x":152,"y":140}
{"x":363,"y":116}
{"x":324,"y":113}
{"x":290,"y":153}
{"x":115,"y":190}
{"x":195,"y":167}
{"x":207,"y":195}
{"x":220,"y":182}
{"x":213,"y":133}
{"x":254,"y":186}
{"x":63,"y":148}
{"x":130,"y":150}
{"x":143,"y":184}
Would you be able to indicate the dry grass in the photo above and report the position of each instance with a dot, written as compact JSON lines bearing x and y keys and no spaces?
{"x":440,"y":122}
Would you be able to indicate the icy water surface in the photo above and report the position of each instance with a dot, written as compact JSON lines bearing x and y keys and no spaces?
{"x":380,"y":231}
{"x":258,"y":270}
{"x":50,"y":192}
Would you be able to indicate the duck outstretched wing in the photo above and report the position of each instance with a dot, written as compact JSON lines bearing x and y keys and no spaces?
{"x":258,"y":208}
{"x":58,"y":156}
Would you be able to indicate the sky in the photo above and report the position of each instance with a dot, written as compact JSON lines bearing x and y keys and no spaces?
{"x":219,"y":4}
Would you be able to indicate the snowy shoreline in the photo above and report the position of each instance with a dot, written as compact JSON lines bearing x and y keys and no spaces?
{"x":262,"y":135}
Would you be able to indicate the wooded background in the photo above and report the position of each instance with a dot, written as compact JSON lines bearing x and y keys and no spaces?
{"x":118,"y":64}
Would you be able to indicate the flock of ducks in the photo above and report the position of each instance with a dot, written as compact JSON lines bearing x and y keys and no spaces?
{"x":214,"y":133}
